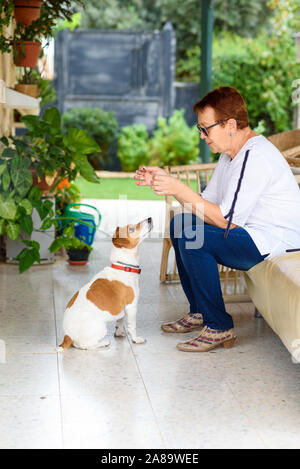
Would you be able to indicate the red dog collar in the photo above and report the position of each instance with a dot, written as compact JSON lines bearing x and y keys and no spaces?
{"x":126,"y":268}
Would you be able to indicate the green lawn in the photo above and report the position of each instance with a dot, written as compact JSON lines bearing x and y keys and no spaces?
{"x":114,"y":188}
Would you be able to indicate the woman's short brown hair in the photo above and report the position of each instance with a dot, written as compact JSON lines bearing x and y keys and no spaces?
{"x":227,"y":103}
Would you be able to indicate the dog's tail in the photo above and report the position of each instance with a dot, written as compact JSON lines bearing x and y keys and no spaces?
{"x":67,"y":342}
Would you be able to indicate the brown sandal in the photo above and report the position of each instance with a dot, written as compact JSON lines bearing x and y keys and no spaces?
{"x":188,"y":323}
{"x":208,"y":340}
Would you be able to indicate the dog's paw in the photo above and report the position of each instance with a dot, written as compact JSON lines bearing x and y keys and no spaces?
{"x":59,"y":349}
{"x":139,"y":340}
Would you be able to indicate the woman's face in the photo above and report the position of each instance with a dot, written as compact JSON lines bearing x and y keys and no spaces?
{"x":218,"y":138}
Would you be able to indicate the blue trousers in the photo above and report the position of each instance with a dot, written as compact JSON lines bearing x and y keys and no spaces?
{"x":199,"y":248}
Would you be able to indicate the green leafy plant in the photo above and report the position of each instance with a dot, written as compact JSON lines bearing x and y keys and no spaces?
{"x":18,"y":199}
{"x":262,"y":69}
{"x":6,"y":14}
{"x":68,"y":240}
{"x":241,"y":16}
{"x":43,"y":27}
{"x":46,"y":150}
{"x":100,"y":125}
{"x":173,"y":142}
{"x":71,"y":24}
{"x":51,"y":149}
{"x":133,"y":147}
{"x":30,"y":76}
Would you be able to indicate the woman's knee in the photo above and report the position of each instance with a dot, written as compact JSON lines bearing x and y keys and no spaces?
{"x":200,"y":236}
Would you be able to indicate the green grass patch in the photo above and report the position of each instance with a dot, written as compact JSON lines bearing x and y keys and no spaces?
{"x":115,"y":188}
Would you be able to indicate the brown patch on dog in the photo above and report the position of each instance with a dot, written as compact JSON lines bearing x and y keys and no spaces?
{"x":66,"y":343}
{"x":110,"y":295}
{"x":72,"y":300}
{"x":123,"y":238}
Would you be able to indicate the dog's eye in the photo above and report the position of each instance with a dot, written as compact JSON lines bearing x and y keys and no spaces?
{"x":131,"y":230}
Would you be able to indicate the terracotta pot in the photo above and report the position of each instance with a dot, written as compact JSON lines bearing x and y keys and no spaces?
{"x":46,"y":183}
{"x":31,"y":53}
{"x":27,"y":11}
{"x":30,"y":90}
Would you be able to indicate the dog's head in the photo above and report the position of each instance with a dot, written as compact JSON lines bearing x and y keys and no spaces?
{"x":130,"y":236}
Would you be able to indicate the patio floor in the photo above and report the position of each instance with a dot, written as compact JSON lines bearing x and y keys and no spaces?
{"x":137,"y":396}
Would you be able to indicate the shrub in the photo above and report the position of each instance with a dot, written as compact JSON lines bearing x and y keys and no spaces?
{"x":261,"y":69}
{"x":101,"y":125}
{"x":173,"y":142}
{"x":133,"y":147}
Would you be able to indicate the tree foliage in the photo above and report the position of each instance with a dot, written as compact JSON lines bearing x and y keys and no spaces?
{"x":244,"y":17}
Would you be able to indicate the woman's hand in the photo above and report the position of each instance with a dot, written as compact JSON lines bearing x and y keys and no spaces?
{"x":160,"y":181}
{"x":164,"y":184}
{"x":144,"y":175}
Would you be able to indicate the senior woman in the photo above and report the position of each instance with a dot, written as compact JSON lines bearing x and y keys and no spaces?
{"x":249,"y":211}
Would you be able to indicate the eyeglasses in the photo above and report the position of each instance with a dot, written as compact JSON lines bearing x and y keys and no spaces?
{"x":205,"y":129}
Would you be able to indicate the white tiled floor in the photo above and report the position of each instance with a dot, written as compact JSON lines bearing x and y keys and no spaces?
{"x":137,"y":396}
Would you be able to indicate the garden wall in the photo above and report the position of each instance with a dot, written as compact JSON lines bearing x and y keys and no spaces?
{"x":186,"y":95}
{"x":129,"y":72}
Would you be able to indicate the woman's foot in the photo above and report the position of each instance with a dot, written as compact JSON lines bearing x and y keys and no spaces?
{"x":188,"y":323}
{"x":208,"y":340}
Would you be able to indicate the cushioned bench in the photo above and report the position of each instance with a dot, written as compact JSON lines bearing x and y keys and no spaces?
{"x":274,"y":287}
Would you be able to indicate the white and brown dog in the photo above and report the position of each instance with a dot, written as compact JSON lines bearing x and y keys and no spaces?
{"x":110,"y":295}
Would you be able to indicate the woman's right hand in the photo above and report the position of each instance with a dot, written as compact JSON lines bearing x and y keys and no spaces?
{"x":144,"y":175}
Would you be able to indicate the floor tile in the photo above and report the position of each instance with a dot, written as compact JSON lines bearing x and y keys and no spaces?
{"x":120,"y":421}
{"x":271,"y":403}
{"x":27,"y":328}
{"x":29,"y":374}
{"x":108,"y":371}
{"x":30,"y":422}
{"x":31,"y":344}
{"x":203,"y":419}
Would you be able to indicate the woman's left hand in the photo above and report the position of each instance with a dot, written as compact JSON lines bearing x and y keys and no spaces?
{"x":164,"y":184}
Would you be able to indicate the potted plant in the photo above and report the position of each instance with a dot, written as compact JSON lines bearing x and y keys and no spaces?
{"x":43,"y":151}
{"x":78,"y":250}
{"x":54,"y":152}
{"x":28,"y":36}
{"x":28,"y":83}
{"x":27,"y":11}
{"x":31,"y":82}
{"x":27,"y":45}
{"x":18,"y":199}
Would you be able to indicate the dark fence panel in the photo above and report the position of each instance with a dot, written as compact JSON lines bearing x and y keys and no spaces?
{"x":186,"y":96}
{"x":129,"y":72}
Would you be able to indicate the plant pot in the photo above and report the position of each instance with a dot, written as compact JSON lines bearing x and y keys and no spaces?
{"x":46,"y":183}
{"x":30,"y":90}
{"x":26,"y":53}
{"x":27,"y":11}
{"x":78,"y":257}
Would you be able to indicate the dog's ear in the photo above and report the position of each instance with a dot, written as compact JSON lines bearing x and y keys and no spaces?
{"x":120,"y":238}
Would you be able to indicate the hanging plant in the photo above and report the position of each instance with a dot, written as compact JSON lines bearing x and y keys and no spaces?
{"x":27,"y":11}
{"x":26,"y":53}
{"x":42,"y":27}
